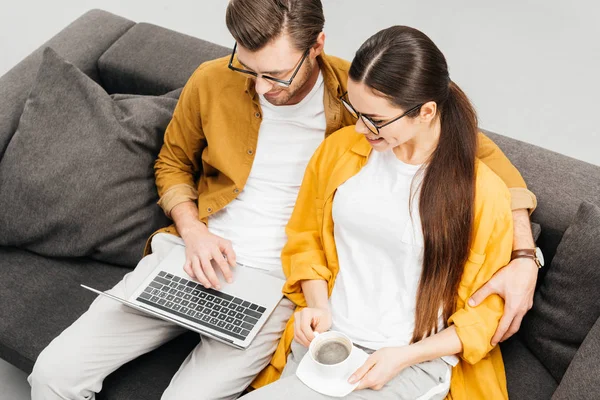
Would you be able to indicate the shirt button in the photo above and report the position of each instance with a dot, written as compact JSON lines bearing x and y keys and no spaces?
{"x":257,"y":115}
{"x":250,"y":151}
{"x":236,"y":190}
{"x":209,"y":209}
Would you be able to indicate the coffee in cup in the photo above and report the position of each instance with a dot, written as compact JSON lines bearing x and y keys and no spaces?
{"x":332,"y":351}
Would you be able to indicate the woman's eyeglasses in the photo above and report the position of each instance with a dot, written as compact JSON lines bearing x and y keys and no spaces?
{"x":369,"y":123}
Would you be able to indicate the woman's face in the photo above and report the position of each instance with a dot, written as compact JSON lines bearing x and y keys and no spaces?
{"x":380,"y":110}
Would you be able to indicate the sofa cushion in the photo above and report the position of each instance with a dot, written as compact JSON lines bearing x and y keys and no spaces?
{"x":567,"y":303}
{"x":77,"y":177}
{"x":526,"y":377}
{"x":581,"y":379}
{"x":40,"y":297}
{"x":149,"y":59}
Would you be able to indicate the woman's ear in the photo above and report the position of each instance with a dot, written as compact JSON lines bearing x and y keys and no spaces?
{"x":428,"y":112}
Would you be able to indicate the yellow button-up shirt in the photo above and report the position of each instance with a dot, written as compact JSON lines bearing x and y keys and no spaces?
{"x":310,"y":253}
{"x":210,"y":143}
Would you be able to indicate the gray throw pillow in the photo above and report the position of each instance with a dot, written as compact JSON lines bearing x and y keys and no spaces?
{"x":581,"y":381}
{"x":77,"y":177}
{"x":567,"y":303}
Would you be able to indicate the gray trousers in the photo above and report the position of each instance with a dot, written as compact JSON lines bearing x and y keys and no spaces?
{"x":414,"y":382}
{"x":109,"y":334}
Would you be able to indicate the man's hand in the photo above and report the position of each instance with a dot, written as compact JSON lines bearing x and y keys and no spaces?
{"x":515,"y":283}
{"x":201,"y":249}
{"x":308,"y":320}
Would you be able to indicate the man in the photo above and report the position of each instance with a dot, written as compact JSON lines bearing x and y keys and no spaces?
{"x":228,"y":175}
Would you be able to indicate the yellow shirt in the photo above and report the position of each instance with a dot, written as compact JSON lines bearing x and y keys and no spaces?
{"x":209,"y":144}
{"x":311,"y":254}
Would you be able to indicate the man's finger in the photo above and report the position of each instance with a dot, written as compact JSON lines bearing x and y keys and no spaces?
{"x":503,"y":326}
{"x":514,"y":327}
{"x":187,"y":267}
{"x":220,"y":260}
{"x":198,"y":273}
{"x":213,"y":280}
{"x":479,"y":296}
{"x":229,"y":253}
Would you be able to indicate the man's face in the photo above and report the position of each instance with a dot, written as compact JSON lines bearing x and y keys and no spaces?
{"x":279,"y":59}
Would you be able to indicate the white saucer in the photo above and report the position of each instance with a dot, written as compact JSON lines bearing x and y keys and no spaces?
{"x":330,"y":386}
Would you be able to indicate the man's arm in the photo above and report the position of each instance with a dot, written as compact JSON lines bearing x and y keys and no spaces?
{"x":493,"y":157}
{"x":175,"y":169}
{"x":516,"y":281}
{"x":184,"y":141}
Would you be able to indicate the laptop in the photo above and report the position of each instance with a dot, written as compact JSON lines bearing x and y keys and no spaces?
{"x":232,"y":315}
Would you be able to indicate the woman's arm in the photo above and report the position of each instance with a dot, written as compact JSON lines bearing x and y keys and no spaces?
{"x":383,"y":365}
{"x":302,"y":257}
{"x":316,"y":316}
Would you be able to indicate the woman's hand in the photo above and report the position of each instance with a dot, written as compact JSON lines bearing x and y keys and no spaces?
{"x":308,"y":320}
{"x":381,"y":367}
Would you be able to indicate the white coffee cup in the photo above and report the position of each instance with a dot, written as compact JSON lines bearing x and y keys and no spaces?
{"x":339,"y":369}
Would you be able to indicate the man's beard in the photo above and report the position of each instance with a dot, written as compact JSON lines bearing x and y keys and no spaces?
{"x":297,"y":85}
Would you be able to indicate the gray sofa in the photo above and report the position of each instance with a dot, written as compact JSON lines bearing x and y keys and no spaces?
{"x":40,"y":295}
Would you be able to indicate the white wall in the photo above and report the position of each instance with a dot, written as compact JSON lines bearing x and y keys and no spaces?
{"x":530,"y":67}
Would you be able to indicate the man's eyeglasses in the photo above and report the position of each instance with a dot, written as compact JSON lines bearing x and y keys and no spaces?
{"x":275,"y":81}
{"x":369,"y":123}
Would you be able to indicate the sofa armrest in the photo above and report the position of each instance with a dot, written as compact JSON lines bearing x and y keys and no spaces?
{"x":82,"y":43}
{"x":581,"y":379}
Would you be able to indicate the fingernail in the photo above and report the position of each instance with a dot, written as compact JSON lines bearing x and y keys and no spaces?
{"x":471,"y":302}
{"x":351,"y":379}
{"x":218,"y":287}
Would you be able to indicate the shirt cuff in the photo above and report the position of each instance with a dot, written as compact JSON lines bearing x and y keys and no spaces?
{"x":176,"y":195}
{"x":522,"y":198}
{"x":303,"y":271}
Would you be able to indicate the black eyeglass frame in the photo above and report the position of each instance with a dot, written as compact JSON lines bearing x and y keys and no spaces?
{"x":280,"y":82}
{"x":357,"y":115}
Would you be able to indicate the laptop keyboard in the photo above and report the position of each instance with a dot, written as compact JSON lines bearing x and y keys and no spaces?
{"x":224,"y":313}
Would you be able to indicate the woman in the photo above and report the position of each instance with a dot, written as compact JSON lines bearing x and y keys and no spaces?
{"x":396,"y":225}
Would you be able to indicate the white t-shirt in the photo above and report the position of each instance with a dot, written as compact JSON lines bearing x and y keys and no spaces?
{"x":255,"y":221}
{"x":380,"y":252}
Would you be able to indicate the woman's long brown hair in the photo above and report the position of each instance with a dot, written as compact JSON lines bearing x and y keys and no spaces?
{"x":405,"y":66}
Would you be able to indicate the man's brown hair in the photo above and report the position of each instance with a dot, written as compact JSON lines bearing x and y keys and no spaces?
{"x":254,"y":23}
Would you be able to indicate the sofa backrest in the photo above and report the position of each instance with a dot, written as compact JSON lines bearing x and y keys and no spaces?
{"x":560,"y":183}
{"x":152,"y":60}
